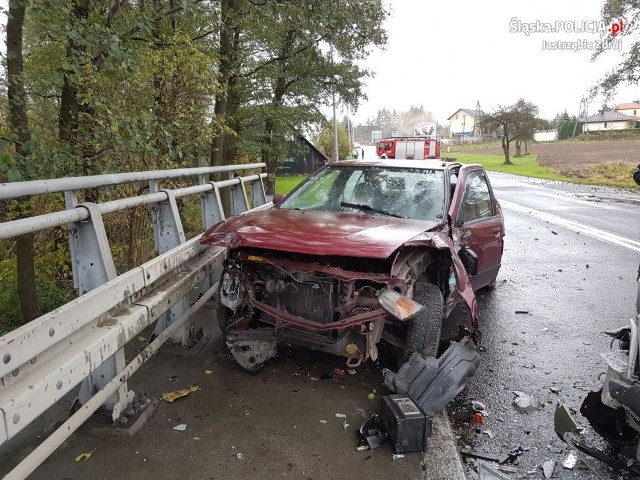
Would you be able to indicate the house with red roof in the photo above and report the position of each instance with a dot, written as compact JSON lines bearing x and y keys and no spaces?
{"x":631,"y":109}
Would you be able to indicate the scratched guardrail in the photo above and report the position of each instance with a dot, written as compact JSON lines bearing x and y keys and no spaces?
{"x":81,"y":343}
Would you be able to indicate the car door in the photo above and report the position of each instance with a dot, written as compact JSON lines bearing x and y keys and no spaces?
{"x":477,"y":225}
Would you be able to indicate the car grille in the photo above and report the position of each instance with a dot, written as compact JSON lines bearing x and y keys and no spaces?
{"x":313,"y":301}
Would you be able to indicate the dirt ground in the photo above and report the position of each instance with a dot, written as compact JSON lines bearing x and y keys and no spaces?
{"x":571,"y":158}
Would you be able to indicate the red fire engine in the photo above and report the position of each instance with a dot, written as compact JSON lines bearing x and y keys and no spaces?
{"x":410,"y":148}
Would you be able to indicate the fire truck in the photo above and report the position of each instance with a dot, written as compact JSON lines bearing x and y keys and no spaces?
{"x":410,"y":148}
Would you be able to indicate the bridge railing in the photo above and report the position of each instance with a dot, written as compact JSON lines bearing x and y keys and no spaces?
{"x":82,"y":341}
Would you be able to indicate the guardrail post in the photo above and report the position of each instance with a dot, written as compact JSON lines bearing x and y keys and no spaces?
{"x":211,"y":203}
{"x":168,"y":233}
{"x":258,"y":195}
{"x":239,"y":201}
{"x":92,"y":266}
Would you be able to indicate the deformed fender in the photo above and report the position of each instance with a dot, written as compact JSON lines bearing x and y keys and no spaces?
{"x":441,"y":241}
{"x":431,"y":383}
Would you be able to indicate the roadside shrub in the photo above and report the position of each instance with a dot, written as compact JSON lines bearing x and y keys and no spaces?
{"x":625,"y":134}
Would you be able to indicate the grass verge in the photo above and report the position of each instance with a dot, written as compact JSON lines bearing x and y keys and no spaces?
{"x":604,"y":174}
{"x":285,"y":184}
{"x":526,"y":165}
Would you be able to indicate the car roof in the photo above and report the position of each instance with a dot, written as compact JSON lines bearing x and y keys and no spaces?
{"x":432,"y":164}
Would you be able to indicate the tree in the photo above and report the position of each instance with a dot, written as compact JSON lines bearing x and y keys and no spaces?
{"x":515,"y":122}
{"x":324,"y":142}
{"x":280,"y":61}
{"x":625,"y":14}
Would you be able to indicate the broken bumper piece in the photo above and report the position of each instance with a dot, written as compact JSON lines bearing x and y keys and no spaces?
{"x":252,"y":354}
{"x":431,"y":383}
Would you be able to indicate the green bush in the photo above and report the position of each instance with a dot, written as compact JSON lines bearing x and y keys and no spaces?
{"x":624,"y":134}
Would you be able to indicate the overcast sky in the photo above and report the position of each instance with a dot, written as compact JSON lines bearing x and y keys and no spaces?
{"x":446,"y":55}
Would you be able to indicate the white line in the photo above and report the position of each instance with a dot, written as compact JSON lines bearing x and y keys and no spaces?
{"x":578,"y":227}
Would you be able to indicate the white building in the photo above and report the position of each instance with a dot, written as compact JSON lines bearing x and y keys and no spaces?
{"x":545,"y":135}
{"x":607,"y":120}
{"x":463,"y":123}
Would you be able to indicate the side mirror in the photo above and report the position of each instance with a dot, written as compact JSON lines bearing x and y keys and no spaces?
{"x":469,"y":260}
{"x":278,"y":198}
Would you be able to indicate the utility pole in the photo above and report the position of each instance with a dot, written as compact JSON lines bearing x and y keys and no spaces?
{"x":350,"y":136}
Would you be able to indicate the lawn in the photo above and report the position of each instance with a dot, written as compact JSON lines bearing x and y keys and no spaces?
{"x":526,"y":165}
{"x":285,"y":184}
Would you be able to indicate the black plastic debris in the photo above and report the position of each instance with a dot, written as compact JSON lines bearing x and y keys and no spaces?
{"x":372,"y":432}
{"x":493,"y":457}
{"x":408,"y":428}
{"x":431,"y":383}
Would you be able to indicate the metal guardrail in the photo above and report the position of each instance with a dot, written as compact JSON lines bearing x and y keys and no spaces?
{"x":82,"y":342}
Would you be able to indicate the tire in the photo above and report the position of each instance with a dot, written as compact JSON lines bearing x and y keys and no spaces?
{"x":423,"y":335}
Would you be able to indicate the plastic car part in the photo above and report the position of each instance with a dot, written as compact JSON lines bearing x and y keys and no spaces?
{"x":372,"y":432}
{"x":408,"y":428}
{"x":431,"y":383}
{"x":231,"y":291}
{"x":609,"y":423}
{"x":253,"y":354}
{"x":628,"y":394}
{"x":398,"y":305}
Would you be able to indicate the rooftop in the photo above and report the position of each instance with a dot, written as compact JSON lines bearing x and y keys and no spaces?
{"x":607,"y":116}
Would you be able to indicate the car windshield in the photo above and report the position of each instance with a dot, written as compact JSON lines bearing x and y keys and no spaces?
{"x":398,"y":192}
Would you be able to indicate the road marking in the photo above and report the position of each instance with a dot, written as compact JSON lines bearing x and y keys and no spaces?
{"x":571,"y":225}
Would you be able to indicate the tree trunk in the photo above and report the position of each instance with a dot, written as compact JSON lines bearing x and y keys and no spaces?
{"x":269,"y":159}
{"x":505,"y":147}
{"x":75,"y":118}
{"x":27,"y":290}
{"x":526,"y":147}
{"x":226,"y":105}
{"x":68,"y":116}
{"x":518,"y":148}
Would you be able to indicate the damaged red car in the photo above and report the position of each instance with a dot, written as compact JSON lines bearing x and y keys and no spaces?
{"x":359,"y":253}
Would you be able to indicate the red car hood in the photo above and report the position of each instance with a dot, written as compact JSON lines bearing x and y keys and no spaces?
{"x":316,"y":233}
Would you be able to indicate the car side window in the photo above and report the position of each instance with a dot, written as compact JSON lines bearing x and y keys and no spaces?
{"x":476,"y":201}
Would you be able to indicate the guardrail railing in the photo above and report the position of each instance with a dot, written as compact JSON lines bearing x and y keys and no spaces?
{"x":82,"y":342}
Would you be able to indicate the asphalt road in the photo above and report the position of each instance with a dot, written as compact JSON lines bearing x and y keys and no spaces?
{"x":571,"y":257}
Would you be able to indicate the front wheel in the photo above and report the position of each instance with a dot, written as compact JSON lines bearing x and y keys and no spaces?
{"x":423,"y":335}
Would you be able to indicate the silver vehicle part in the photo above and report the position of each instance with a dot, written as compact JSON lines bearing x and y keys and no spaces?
{"x":231,"y":291}
{"x":253,"y":354}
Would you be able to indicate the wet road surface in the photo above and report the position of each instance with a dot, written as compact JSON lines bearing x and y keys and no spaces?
{"x":572,"y":287}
